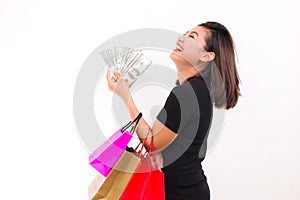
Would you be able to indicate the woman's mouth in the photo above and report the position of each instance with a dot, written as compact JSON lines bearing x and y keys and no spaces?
{"x":179,"y":48}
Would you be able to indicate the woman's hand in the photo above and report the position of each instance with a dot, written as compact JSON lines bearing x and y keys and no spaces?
{"x":118,"y":86}
{"x":156,"y":160}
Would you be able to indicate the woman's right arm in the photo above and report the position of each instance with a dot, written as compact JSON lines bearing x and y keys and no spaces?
{"x":162,"y":136}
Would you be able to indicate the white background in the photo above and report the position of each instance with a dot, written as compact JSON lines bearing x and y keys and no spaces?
{"x":43,"y":44}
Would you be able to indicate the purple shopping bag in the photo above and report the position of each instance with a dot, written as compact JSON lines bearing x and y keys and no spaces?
{"x":107,"y":154}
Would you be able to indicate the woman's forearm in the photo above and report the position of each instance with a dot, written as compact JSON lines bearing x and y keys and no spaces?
{"x":143,"y":127}
{"x":121,"y":88}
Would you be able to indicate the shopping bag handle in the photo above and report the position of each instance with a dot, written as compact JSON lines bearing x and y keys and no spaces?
{"x":149,"y":153}
{"x":139,"y":152}
{"x":135,"y":122}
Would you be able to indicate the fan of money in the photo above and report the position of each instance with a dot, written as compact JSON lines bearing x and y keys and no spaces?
{"x":130,"y":63}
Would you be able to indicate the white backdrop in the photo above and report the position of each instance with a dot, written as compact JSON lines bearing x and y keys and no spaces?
{"x":43,"y":44}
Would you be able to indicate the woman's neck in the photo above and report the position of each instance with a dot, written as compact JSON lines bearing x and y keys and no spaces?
{"x":186,"y":73}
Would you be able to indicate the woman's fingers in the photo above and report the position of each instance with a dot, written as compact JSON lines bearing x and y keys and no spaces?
{"x":117,"y":73}
{"x":118,"y":85}
{"x":160,"y":160}
{"x":117,"y":77}
{"x":156,"y":160}
{"x":111,"y":80}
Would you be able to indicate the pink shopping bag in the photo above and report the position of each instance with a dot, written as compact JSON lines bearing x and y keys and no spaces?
{"x":107,"y":154}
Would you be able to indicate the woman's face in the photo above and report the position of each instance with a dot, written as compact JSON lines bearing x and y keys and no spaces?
{"x":190,"y":47}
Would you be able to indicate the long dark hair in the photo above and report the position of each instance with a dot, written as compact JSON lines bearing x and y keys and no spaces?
{"x":221,"y":72}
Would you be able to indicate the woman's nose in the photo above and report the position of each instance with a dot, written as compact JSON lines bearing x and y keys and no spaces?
{"x":181,"y":38}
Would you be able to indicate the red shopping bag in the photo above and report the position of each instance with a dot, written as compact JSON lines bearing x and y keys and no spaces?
{"x":147,"y":182}
{"x":155,"y":188}
{"x":138,"y":182}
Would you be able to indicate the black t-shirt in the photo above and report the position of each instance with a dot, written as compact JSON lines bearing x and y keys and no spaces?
{"x":188,"y":113}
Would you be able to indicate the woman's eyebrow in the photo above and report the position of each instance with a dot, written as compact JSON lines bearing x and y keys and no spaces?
{"x":194,"y":32}
{"x":191,"y":32}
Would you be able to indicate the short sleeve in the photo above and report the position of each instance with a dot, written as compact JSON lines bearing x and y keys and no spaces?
{"x":170,"y":115}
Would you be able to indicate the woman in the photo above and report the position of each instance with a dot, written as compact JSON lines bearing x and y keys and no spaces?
{"x":207,"y":76}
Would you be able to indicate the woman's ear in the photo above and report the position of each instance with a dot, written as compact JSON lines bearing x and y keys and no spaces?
{"x":207,"y":56}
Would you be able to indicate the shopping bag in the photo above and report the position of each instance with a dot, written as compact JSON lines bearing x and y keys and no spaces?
{"x":118,"y":178}
{"x":139,"y":180}
{"x":107,"y":154}
{"x":147,"y":182}
{"x":95,"y":185}
{"x":156,"y":187}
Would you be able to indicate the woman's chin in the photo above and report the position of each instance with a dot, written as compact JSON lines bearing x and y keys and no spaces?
{"x":178,"y":58}
{"x":175,"y":55}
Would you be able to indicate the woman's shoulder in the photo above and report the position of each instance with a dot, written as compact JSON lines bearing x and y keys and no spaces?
{"x":193,"y":85}
{"x":197,"y":81}
{"x":193,"y":89}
